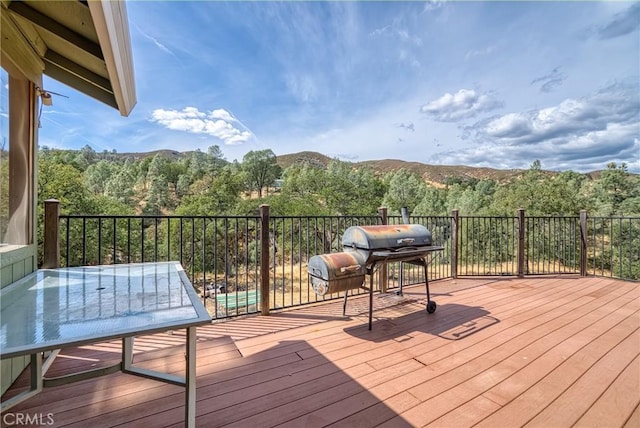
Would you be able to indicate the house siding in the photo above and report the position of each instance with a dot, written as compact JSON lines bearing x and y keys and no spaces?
{"x":15,"y":265}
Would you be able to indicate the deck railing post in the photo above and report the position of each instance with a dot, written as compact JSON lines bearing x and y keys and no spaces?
{"x":384,"y":280}
{"x":51,"y":243}
{"x":455,"y":244}
{"x":583,"y":242}
{"x":264,"y":259}
{"x":521,"y":243}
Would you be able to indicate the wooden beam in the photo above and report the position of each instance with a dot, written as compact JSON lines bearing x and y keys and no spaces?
{"x":55,"y":28}
{"x":55,"y":71}
{"x":51,"y":234}
{"x":52,"y":57}
{"x":18,"y":52}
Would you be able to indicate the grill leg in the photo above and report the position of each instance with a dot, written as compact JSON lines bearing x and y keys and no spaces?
{"x":401,"y":278}
{"x":370,"y":300}
{"x":344,"y":304}
{"x":431,"y":305}
{"x":426,"y":279}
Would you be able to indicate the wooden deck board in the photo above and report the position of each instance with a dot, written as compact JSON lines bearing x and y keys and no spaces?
{"x":542,"y":351}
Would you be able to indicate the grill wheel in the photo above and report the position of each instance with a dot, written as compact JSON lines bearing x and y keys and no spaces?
{"x":431,"y":307}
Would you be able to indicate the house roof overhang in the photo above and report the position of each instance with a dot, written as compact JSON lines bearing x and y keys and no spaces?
{"x":83,"y":44}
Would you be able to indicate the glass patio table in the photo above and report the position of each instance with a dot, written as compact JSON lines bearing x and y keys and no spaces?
{"x":52,"y":309}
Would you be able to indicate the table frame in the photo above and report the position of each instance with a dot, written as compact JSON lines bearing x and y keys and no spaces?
{"x":39,"y":365}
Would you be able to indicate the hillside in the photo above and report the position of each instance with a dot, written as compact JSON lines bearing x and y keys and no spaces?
{"x":435,"y":174}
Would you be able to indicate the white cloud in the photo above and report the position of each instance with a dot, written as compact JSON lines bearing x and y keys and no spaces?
{"x":217,"y":123}
{"x":588,"y":152}
{"x":464,"y":104}
{"x":571,"y":118}
{"x":583,"y":134}
{"x":223,"y":114}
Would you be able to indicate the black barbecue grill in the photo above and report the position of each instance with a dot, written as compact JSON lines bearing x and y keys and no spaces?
{"x":365,"y":248}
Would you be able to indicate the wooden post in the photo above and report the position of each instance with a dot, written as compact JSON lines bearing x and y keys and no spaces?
{"x":583,"y":242}
{"x":521,"y":243}
{"x":455,"y":243}
{"x":264,"y":259}
{"x":51,"y":234}
{"x":384,"y":273}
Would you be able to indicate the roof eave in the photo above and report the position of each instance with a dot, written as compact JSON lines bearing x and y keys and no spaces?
{"x":110,"y":21}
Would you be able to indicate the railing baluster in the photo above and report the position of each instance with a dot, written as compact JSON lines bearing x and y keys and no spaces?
{"x":142,"y":240}
{"x":180,"y":240}
{"x":155,"y":241}
{"x":204,"y":253}
{"x":193,"y":247}
{"x":168,"y":238}
{"x":67,"y":234}
{"x":84,"y":240}
{"x":99,"y":240}
{"x":114,"y":241}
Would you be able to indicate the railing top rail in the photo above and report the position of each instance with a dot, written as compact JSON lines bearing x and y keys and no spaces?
{"x":613,"y":218}
{"x":146,"y":216}
{"x":489,"y":216}
{"x":340,"y":217}
{"x":553,"y":216}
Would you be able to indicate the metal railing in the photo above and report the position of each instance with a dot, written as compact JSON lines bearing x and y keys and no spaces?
{"x":249,"y":264}
{"x":613,"y":247}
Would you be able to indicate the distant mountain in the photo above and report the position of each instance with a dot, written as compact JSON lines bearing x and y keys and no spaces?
{"x":435,"y":174}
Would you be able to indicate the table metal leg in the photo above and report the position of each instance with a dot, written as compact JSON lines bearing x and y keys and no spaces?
{"x":127,"y":353}
{"x":35,"y":384}
{"x":190,"y":379}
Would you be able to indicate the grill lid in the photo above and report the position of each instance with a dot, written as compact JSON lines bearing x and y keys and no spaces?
{"x":335,"y":266}
{"x":336,"y":272}
{"x":386,"y":237}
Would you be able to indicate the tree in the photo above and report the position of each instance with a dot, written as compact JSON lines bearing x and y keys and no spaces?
{"x":406,"y":189}
{"x":157,"y":196}
{"x":120,"y":185}
{"x":158,"y":193}
{"x":261,"y":169}
{"x":214,"y":195}
{"x":616,"y":192}
{"x":349,"y":190}
{"x":215,"y":160}
{"x":97,"y":175}
{"x":300,"y":192}
{"x":433,"y":203}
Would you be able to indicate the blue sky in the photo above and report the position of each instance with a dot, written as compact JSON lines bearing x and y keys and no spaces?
{"x":495,"y":84}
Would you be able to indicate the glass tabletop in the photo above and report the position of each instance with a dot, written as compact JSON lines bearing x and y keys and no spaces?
{"x":54,"y":308}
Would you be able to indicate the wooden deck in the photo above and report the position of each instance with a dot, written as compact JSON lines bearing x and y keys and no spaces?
{"x":539,"y":351}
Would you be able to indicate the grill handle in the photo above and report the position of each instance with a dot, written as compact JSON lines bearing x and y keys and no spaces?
{"x":405,"y":241}
{"x":352,"y":268}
